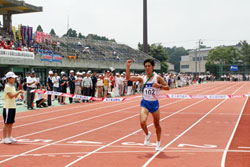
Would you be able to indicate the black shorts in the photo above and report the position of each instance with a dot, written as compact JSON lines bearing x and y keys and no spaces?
{"x":9,"y":115}
{"x":39,"y":101}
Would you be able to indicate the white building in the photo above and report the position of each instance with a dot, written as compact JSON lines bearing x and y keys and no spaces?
{"x":195,"y":61}
{"x":170,"y":67}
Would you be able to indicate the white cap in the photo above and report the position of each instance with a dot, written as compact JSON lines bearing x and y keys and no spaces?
{"x":117,"y":74}
{"x":89,"y":72}
{"x":78,"y":73}
{"x":50,"y":72}
{"x":11,"y":75}
{"x":83,"y":73}
{"x":62,"y":72}
{"x":71,"y":71}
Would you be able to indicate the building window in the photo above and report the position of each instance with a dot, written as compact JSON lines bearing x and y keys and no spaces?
{"x":184,"y":66}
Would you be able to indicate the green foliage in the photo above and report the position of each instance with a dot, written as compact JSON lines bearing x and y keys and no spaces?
{"x":100,"y":38}
{"x":52,"y":32}
{"x":81,"y":36}
{"x":158,"y":52}
{"x":223,"y":55}
{"x":245,"y":51}
{"x":39,"y":28}
{"x":175,"y":54}
{"x":71,"y":33}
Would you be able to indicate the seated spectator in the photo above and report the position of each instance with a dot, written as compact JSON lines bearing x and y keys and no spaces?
{"x":40,"y":101}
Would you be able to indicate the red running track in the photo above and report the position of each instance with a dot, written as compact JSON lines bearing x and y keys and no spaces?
{"x":195,"y":132}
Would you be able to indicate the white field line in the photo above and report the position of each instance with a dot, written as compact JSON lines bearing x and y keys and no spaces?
{"x":83,"y":120}
{"x":65,"y":109}
{"x":63,"y":116}
{"x":183,"y":133}
{"x":71,"y":137}
{"x":223,"y":160}
{"x":93,"y":152}
{"x":132,"y":151}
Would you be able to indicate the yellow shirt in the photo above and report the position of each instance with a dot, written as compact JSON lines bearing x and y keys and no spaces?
{"x":106,"y":81}
{"x":9,"y":103}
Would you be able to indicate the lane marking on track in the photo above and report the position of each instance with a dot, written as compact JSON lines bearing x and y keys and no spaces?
{"x":137,"y":131}
{"x":184,"y":132}
{"x":67,"y":155}
{"x":110,"y":125}
{"x":243,"y":147}
{"x":67,"y":115}
{"x":197,"y":146}
{"x":223,"y":160}
{"x":74,"y":114}
{"x":80,"y":112}
{"x":67,"y":108}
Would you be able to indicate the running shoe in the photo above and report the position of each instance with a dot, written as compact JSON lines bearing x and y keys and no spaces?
{"x":147,"y":139}
{"x":13,"y":140}
{"x":7,"y":141}
{"x":158,"y":146}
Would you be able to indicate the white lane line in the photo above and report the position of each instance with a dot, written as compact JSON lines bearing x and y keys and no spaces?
{"x":107,"y":145}
{"x":244,"y":147}
{"x":49,"y":129}
{"x":63,"y":116}
{"x":130,"y":101}
{"x":137,"y":131}
{"x":183,"y":133}
{"x":87,"y":119}
{"x":223,"y":160}
{"x":132,"y":151}
{"x":100,"y":128}
{"x":82,"y":106}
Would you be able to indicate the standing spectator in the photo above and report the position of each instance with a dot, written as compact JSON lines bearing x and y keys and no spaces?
{"x":112,"y":81}
{"x":50,"y":86}
{"x":63,"y":84}
{"x":78,"y":85}
{"x":87,"y":84}
{"x":9,"y":110}
{"x":99,"y":85}
{"x":106,"y":84}
{"x":94,"y":81}
{"x":130,"y":85}
{"x":31,"y":85}
{"x":72,"y":80}
{"x":117,"y":81}
{"x":55,"y":81}
{"x":25,"y":88}
{"x":123,"y":85}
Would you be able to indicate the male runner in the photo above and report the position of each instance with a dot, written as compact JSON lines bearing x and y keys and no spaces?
{"x":152,"y":84}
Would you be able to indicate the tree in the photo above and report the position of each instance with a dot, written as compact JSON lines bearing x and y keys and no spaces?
{"x":71,"y":33}
{"x":158,"y":52}
{"x":39,"y":28}
{"x":223,"y":55}
{"x":52,"y":32}
{"x":245,"y":51}
{"x":81,"y":36}
{"x":174,"y":54}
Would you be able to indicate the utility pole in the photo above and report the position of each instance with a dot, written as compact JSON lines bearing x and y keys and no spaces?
{"x":145,"y":27}
{"x":199,"y":55}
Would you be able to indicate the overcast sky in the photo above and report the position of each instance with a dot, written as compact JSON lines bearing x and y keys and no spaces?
{"x":171,"y":22}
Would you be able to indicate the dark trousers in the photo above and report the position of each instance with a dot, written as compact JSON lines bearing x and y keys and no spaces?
{"x":49,"y":98}
{"x":92,"y":92}
{"x":86,"y":92}
{"x":72,"y":91}
{"x":30,"y":97}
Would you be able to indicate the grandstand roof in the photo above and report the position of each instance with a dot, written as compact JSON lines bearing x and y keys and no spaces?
{"x":17,"y":7}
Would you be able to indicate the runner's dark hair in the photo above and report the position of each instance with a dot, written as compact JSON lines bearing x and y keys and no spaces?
{"x":151,"y":61}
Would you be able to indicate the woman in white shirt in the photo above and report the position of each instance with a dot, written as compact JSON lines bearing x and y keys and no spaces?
{"x":99,"y":85}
